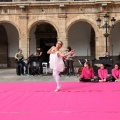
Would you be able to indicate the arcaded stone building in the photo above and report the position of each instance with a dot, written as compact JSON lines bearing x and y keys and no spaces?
{"x":28,"y":24}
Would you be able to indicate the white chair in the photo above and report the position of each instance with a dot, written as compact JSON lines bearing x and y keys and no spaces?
{"x":44,"y":65}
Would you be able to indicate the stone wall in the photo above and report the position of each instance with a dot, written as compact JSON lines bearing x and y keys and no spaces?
{"x":61,"y":15}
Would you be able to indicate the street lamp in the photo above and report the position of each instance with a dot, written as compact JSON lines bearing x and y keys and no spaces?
{"x":106,"y":25}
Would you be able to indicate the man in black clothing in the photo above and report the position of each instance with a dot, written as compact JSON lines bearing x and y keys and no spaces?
{"x":119,"y":56}
{"x":107,"y":56}
{"x":39,"y":53}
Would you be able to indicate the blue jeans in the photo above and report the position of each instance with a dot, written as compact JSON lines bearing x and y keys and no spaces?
{"x":21,"y":64}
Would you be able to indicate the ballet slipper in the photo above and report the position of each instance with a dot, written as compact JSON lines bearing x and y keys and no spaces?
{"x":116,"y":80}
{"x":56,"y":90}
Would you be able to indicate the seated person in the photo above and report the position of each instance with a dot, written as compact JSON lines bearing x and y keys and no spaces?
{"x":87,"y":73}
{"x":107,"y":56}
{"x":19,"y":59}
{"x":119,"y":56}
{"x":102,"y":73}
{"x":116,"y":73}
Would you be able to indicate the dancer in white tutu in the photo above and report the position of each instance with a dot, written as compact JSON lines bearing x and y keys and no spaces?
{"x":56,"y":62}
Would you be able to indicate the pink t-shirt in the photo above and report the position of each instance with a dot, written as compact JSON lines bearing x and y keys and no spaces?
{"x":87,"y":73}
{"x":103,"y":73}
{"x":116,"y":73}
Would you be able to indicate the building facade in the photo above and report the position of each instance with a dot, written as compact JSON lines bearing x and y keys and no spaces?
{"x":28,"y":24}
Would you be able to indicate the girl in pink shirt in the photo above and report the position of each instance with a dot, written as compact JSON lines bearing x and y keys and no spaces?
{"x":116,"y":73}
{"x":102,"y":73}
{"x":87,"y":73}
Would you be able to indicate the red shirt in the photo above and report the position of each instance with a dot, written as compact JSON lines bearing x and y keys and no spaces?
{"x":87,"y":73}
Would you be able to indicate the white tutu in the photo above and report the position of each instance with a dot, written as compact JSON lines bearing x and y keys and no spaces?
{"x":56,"y":63}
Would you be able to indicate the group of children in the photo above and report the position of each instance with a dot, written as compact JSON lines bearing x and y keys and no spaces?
{"x":88,"y":73}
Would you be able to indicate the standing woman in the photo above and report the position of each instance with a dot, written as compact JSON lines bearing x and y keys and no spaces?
{"x":87,"y":73}
{"x":116,"y":73}
{"x":56,"y":62}
{"x":102,"y":73}
{"x":69,"y":61}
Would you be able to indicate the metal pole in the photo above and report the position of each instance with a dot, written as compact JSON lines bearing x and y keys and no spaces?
{"x":106,"y":36}
{"x":112,"y":55}
{"x":112,"y":51}
{"x":87,"y":54}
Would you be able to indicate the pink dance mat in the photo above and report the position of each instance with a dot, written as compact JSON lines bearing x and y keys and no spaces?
{"x":75,"y":101}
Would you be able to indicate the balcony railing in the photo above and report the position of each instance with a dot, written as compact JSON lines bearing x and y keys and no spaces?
{"x":39,"y":0}
{"x":54,"y":0}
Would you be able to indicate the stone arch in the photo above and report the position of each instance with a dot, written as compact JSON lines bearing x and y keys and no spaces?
{"x":114,"y":40}
{"x":47,"y":20}
{"x":15,"y":25}
{"x":84,"y":19}
{"x":12,"y":43}
{"x":118,"y":21}
{"x":94,"y":36}
{"x":41,"y":40}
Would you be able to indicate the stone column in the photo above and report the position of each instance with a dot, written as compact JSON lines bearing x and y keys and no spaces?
{"x":62,"y":29}
{"x":24,"y":39}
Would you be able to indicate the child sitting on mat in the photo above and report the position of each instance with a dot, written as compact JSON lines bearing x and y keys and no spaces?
{"x":102,"y":73}
{"x":116,"y":73}
{"x":87,"y":73}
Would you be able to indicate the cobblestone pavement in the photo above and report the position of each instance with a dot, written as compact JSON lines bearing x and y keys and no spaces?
{"x":9,"y":75}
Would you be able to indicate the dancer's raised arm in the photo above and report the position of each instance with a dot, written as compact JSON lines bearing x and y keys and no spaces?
{"x":51,"y":50}
{"x":65,"y":55}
